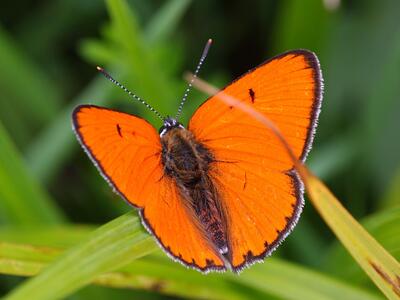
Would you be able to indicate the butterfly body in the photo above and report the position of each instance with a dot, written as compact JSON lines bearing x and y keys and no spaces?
{"x":187,"y":163}
{"x":223,"y":193}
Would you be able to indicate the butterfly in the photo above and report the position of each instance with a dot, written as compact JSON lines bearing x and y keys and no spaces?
{"x":221,"y":193}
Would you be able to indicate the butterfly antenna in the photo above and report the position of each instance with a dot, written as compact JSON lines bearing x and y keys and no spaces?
{"x":108,"y":76}
{"x":185,"y":95}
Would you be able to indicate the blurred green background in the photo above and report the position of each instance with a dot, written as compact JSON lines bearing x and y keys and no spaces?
{"x":48,"y":54}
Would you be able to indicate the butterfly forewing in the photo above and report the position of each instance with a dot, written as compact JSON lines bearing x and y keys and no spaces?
{"x":260,"y":191}
{"x":125,"y":148}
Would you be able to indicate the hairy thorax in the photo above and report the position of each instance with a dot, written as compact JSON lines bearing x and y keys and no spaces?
{"x":188,"y":162}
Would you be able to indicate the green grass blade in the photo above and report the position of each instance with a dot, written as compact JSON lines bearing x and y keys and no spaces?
{"x":270,"y":278}
{"x":385,"y":227}
{"x":289,"y":281}
{"x":110,"y":247}
{"x":377,"y":263}
{"x":57,"y":236}
{"x":25,"y":260}
{"x":23,"y":201}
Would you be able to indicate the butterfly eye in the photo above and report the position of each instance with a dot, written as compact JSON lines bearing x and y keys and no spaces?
{"x":169,"y":123}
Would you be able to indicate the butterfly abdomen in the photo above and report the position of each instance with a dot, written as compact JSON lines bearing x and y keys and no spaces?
{"x":187,"y":161}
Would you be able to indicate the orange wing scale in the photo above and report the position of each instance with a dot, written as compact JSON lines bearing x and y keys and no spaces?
{"x":259,"y":188}
{"x":126,"y":149}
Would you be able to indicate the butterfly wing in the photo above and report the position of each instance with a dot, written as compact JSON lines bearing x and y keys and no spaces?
{"x":259,"y":188}
{"x":126,"y":149}
{"x":177,"y":230}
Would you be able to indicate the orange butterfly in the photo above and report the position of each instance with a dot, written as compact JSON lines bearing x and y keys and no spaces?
{"x":223,"y":193}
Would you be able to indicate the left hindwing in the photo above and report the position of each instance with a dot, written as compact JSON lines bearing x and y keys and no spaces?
{"x":259,"y":188}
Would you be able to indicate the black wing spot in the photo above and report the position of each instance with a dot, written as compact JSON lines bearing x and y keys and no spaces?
{"x":252,"y":95}
{"x":209,"y":262}
{"x":245,"y":181}
{"x":119,"y":130}
{"x":249,"y":256}
{"x":230,"y":107}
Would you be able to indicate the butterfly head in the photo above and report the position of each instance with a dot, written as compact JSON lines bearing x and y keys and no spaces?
{"x":169,"y":123}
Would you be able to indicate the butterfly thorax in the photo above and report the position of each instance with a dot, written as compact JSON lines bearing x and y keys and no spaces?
{"x":188,"y":162}
{"x":184,"y":159}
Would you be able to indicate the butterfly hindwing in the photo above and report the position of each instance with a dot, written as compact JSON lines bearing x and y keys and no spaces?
{"x":127,"y":151}
{"x":260,"y":191}
{"x":180,"y":235}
